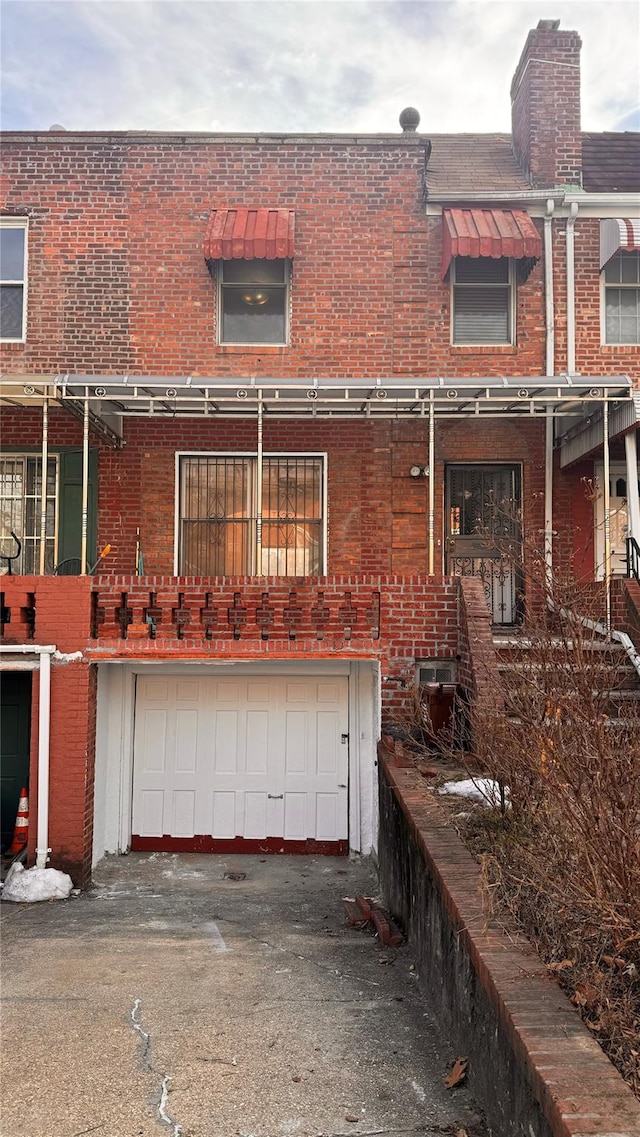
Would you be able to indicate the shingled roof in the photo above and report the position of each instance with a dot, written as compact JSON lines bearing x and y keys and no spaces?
{"x":473,"y":162}
{"x":461,"y":163}
{"x":611,"y":162}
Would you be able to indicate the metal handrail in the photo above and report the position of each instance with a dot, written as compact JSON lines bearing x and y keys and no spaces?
{"x":633,"y":559}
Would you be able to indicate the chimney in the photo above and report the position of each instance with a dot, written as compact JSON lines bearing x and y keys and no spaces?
{"x":545,"y":107}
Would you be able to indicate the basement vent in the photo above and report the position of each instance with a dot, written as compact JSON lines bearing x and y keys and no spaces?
{"x":435,"y":671}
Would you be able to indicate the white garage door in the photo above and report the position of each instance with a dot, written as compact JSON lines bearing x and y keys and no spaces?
{"x":251,"y":758}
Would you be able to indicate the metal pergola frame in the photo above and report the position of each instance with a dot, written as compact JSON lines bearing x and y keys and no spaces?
{"x":102,"y":401}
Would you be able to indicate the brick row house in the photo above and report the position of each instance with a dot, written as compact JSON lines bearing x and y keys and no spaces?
{"x":279,"y":386}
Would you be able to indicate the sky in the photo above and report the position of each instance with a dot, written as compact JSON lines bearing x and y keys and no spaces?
{"x":298,"y":65}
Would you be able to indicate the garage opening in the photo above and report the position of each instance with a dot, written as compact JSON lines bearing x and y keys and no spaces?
{"x":15,"y":741}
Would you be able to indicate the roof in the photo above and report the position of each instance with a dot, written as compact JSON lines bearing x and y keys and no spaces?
{"x":473,"y":162}
{"x":611,"y":162}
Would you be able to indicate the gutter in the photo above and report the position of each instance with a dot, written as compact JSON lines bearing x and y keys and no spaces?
{"x":44,"y":721}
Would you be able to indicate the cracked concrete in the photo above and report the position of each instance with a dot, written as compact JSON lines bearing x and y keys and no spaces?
{"x":172,"y":1000}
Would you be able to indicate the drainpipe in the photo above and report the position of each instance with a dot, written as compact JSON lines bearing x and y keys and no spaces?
{"x":44,"y":718}
{"x":571,"y":288}
{"x":43,"y":486}
{"x":550,"y":370}
{"x":85,"y":483}
{"x":633,"y":498}
{"x":259,"y":489}
{"x":432,"y":482}
{"x":607,"y":514}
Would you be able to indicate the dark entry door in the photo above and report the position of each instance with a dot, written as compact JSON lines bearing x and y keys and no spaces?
{"x":483,"y":505}
{"x":15,"y":732}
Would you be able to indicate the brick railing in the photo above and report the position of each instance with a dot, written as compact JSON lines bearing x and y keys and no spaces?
{"x":240,"y":608}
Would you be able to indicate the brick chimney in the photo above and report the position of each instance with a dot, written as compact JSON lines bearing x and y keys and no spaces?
{"x":545,"y":107}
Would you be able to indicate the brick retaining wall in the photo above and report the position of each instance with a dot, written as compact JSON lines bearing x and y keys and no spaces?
{"x":532,"y":1062}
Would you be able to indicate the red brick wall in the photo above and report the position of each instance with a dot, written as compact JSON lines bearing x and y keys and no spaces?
{"x":63,"y":608}
{"x":377,"y":513}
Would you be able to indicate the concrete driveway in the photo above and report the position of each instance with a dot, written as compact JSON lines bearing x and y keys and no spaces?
{"x":172,"y":998}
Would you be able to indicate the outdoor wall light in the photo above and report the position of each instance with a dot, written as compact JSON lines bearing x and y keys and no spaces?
{"x":419,"y":472}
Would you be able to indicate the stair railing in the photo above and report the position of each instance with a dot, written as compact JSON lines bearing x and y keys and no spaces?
{"x":620,"y":637}
{"x":633,"y":559}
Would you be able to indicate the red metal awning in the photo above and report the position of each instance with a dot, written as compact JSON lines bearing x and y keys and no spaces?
{"x":488,"y":233}
{"x":249,"y":234}
{"x":618,"y":234}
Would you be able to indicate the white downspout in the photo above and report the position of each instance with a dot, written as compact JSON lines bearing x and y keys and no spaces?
{"x":44,"y":719}
{"x":571,"y":288}
{"x":550,"y":369}
{"x":43,"y":486}
{"x":633,"y":497}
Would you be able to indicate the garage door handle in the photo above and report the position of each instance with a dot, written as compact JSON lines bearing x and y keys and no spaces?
{"x":275,"y":797}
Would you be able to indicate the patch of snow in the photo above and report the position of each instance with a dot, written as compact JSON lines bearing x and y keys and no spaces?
{"x":418,"y":1091}
{"x":67,"y":656}
{"x":485,"y":790}
{"x":27,"y":886}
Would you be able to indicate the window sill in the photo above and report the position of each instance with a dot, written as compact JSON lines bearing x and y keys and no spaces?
{"x":252,"y":349}
{"x":619,"y":346}
{"x":485,"y":348}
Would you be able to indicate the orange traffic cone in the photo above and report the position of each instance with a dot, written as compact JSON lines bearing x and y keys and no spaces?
{"x":21,"y":831}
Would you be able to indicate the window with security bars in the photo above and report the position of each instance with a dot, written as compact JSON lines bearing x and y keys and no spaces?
{"x":13,"y":279}
{"x":21,"y":505}
{"x":622,"y":299}
{"x":482,"y":300}
{"x":222,"y":531}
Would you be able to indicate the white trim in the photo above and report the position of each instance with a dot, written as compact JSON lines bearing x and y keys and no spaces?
{"x":287,"y":282}
{"x":115,"y":739}
{"x":44,"y":726}
{"x":510,"y":284}
{"x":8,"y":222}
{"x":604,"y":285}
{"x":253,"y":454}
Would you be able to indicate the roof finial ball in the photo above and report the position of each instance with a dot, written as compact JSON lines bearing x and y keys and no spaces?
{"x":409,"y":119}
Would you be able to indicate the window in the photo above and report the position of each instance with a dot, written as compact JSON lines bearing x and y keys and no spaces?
{"x":482,"y":290}
{"x":13,"y":279}
{"x":21,"y":503}
{"x":253,"y":301}
{"x":223,"y":534}
{"x":622,"y":298}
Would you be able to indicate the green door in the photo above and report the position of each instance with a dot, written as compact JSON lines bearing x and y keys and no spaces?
{"x":15,"y":736}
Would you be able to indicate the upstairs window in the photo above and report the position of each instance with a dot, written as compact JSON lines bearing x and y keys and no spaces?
{"x":622,"y":299}
{"x":253,"y":301}
{"x":222,"y":532}
{"x":482,"y":300}
{"x":13,"y":279}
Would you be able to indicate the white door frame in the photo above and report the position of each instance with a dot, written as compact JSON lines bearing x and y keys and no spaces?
{"x":616,"y":470}
{"x":113,"y":797}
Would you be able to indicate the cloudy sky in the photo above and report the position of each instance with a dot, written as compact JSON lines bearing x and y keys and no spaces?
{"x":298,"y":65}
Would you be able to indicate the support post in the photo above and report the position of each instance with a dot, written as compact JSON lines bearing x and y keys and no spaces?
{"x":432,"y":483}
{"x":633,"y":497}
{"x":607,"y":513}
{"x":85,"y":483}
{"x":259,"y":489}
{"x":43,"y":487}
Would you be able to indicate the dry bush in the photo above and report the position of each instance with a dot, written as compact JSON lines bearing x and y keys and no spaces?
{"x":564,"y":859}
